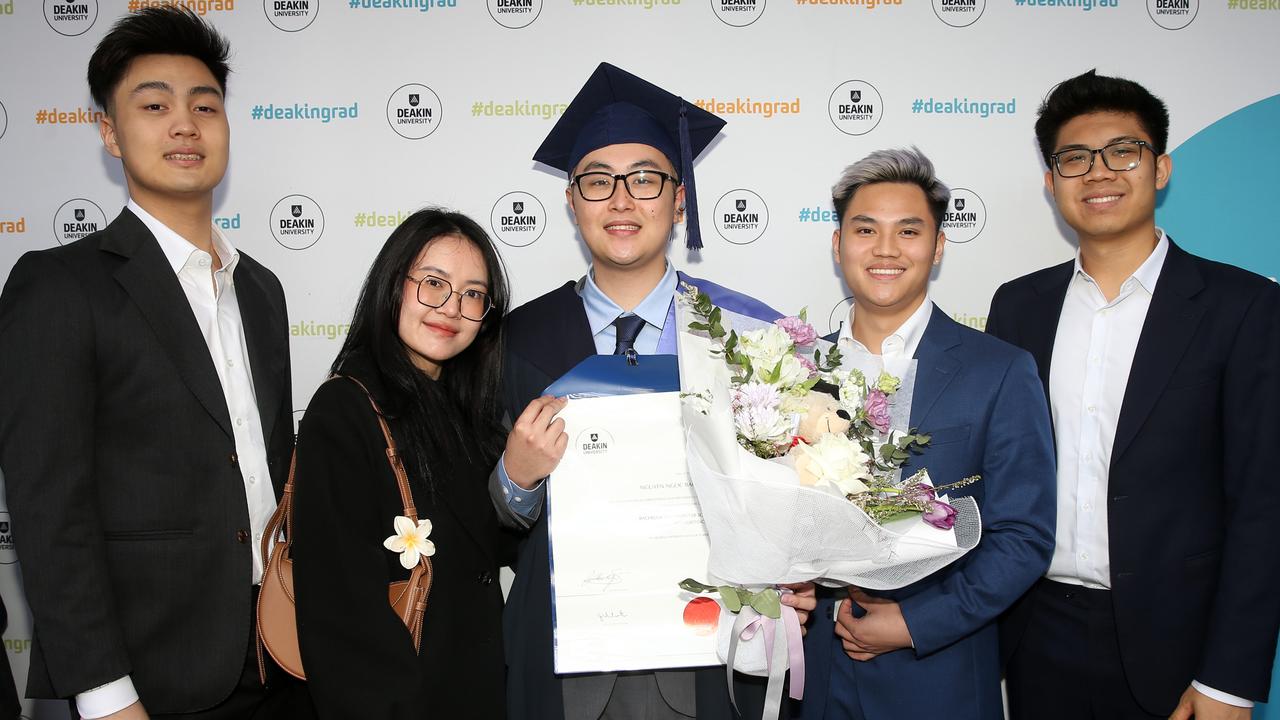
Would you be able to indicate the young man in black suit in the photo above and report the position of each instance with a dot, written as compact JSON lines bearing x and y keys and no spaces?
{"x":1163,"y":376}
{"x":146,"y":423}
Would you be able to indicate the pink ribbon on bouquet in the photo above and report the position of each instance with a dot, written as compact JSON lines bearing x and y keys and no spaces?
{"x":782,"y":642}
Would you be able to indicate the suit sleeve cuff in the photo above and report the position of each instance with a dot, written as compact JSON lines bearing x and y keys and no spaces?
{"x":1220,"y":696}
{"x":524,"y":503}
{"x":106,"y":699}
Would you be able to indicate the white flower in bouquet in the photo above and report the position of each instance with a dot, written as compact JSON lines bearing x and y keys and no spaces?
{"x":766,"y":347}
{"x":836,"y":460}
{"x":853,"y":390}
{"x":758,"y":415}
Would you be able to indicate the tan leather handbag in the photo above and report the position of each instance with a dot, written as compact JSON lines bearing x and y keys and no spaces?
{"x":277,"y":622}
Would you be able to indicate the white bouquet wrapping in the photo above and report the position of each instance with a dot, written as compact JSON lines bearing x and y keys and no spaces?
{"x":770,"y":525}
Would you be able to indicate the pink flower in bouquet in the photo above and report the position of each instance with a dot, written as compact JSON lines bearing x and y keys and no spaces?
{"x":807,"y":364}
{"x":801,"y":332}
{"x":877,"y":409}
{"x":940,"y":515}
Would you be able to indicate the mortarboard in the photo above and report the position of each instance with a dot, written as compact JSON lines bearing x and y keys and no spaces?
{"x":615,"y":107}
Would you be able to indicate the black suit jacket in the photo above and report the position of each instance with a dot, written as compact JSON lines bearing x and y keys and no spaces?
{"x":1195,"y":577}
{"x":545,"y":339}
{"x":359,"y":657}
{"x":121,"y":471}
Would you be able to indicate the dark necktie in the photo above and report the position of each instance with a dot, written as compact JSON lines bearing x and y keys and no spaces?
{"x":627,"y":328}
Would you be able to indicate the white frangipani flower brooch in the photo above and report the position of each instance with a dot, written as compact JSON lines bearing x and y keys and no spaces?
{"x":410,"y":541}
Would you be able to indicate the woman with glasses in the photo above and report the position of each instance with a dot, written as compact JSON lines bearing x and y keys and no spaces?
{"x":425,"y":343}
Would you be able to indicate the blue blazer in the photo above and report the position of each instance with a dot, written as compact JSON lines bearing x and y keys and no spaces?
{"x":982,"y":402}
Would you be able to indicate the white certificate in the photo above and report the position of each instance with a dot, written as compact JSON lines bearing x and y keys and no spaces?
{"x":625,"y":530}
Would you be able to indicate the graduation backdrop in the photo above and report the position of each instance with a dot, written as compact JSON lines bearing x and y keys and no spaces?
{"x":348,"y":114}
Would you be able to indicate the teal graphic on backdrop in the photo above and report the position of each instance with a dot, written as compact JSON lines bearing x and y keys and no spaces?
{"x":1221,"y":206}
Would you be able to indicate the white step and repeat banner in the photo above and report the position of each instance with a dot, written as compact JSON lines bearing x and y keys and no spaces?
{"x":350,"y":114}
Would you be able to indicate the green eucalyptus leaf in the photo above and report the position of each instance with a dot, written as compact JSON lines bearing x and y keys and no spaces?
{"x":729,"y":594}
{"x":693,"y":586}
{"x":768,"y":603}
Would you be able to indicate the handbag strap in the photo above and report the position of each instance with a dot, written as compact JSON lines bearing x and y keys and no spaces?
{"x":282,"y":519}
{"x":393,"y":455}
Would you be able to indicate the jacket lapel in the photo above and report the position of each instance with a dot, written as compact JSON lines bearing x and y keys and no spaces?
{"x":1040,"y":317}
{"x":152,"y":285}
{"x":256,"y":314}
{"x":936,"y":366}
{"x":560,"y":337}
{"x":1171,"y":322}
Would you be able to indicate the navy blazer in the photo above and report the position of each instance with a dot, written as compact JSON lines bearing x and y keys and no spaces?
{"x":1195,"y":579}
{"x":545,"y":338}
{"x":982,"y":403}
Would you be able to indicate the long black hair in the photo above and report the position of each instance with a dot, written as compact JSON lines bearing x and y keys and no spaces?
{"x":458,"y":414}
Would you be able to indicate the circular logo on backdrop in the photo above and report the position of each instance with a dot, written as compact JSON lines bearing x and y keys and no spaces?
{"x":856,"y":107}
{"x":1173,"y":14}
{"x":738,"y":13}
{"x":965,"y":216}
{"x":515,"y":14}
{"x":297,"y":222}
{"x":70,"y":17}
{"x":959,"y":13}
{"x":413,"y":111}
{"x":77,"y":218}
{"x":518,"y":219}
{"x":7,"y":554}
{"x":594,"y":441}
{"x":4,"y":120}
{"x":291,"y":15}
{"x":839,"y":314}
{"x":741,"y":216}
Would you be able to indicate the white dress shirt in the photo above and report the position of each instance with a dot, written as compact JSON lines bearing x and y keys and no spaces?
{"x":212,"y":295}
{"x":900,"y":347}
{"x":1092,"y":356}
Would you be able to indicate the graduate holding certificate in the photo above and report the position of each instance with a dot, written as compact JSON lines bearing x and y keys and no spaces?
{"x":627,"y":148}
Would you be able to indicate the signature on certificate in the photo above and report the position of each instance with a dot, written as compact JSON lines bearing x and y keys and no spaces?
{"x":612,"y":616}
{"x":605,"y":580}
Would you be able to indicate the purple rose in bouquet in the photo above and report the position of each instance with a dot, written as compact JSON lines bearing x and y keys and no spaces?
{"x":877,"y":409}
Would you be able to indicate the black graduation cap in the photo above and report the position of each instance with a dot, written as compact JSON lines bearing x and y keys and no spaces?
{"x":616,"y":107}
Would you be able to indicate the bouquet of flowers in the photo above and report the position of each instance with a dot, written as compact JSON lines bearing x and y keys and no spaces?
{"x":796,"y":457}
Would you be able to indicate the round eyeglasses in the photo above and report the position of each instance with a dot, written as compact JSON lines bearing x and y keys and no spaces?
{"x":1117,"y":157}
{"x":641,"y":184}
{"x":435,"y":291}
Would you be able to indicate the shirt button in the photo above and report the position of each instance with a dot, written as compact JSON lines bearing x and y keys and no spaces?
{"x":231,"y":363}
{"x":1095,"y":359}
{"x":519,"y":499}
{"x":204,"y":262}
{"x":239,"y":421}
{"x":1086,"y":457}
{"x":506,"y":491}
{"x":1084,"y":556}
{"x":1087,"y":507}
{"x":1092,"y":409}
{"x":253,"y":479}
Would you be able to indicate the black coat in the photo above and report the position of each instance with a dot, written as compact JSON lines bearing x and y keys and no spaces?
{"x":1195,"y":577}
{"x":358,"y":656}
{"x":123,"y":482}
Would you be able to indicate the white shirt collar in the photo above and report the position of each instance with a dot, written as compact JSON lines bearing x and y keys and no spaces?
{"x":1147,"y":273}
{"x":177,"y":249}
{"x":906,"y":337}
